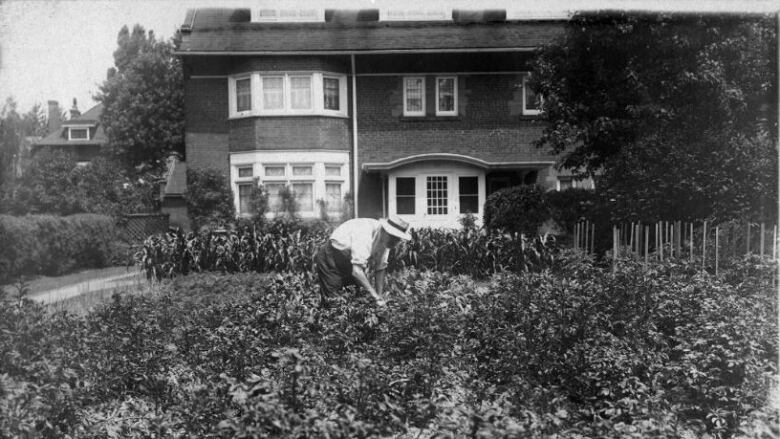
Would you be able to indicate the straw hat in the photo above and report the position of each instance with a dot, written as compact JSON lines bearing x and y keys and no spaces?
{"x":396,"y":227}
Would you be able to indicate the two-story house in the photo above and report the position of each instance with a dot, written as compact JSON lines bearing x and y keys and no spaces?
{"x":420,"y":114}
{"x":81,"y":134}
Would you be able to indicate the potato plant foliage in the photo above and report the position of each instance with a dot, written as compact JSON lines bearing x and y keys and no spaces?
{"x":572,"y":350}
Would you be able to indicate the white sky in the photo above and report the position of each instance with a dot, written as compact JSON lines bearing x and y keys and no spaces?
{"x":61,"y":49}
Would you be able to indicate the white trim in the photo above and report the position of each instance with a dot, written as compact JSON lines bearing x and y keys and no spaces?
{"x":319,"y":15}
{"x":383,"y":166}
{"x":473,"y":73}
{"x":529,"y":111}
{"x":70,"y":137}
{"x":454,"y":111}
{"x":209,"y":76}
{"x":353,"y":52}
{"x":407,"y":112}
{"x":258,"y":96}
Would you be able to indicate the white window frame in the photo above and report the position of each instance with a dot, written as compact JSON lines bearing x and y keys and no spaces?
{"x":233,"y":95}
{"x":454,"y":111}
{"x":283,"y":15}
{"x":406,"y":110}
{"x":529,"y":111}
{"x":70,"y":133}
{"x":317,"y":92}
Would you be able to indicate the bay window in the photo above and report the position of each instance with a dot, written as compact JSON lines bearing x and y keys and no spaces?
{"x":288,"y":94}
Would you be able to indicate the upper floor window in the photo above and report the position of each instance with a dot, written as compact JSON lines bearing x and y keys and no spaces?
{"x":446,"y":96}
{"x":414,"y":96}
{"x":288,"y":94}
{"x":288,"y":14}
{"x":78,"y":133}
{"x":532,"y":102}
{"x":243,"y":94}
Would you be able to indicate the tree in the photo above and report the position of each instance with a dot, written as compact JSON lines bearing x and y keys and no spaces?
{"x":209,"y":198}
{"x":13,"y":129}
{"x":143,"y":100}
{"x":48,"y":186}
{"x":673,"y":114}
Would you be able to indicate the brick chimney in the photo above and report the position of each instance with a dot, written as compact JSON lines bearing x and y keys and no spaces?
{"x":54,"y":122}
{"x":74,"y":111}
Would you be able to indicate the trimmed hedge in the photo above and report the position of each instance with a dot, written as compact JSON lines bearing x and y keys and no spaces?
{"x":54,"y":245}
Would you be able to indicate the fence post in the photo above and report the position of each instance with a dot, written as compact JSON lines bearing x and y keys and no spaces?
{"x":704,"y":245}
{"x":774,"y":243}
{"x":747,"y":239}
{"x":716,"y":251}
{"x":691,"y":241}
{"x":615,"y":238}
{"x":661,"y":247}
{"x":592,"y":238}
{"x":678,"y":242}
{"x":647,"y":240}
{"x":761,"y":252}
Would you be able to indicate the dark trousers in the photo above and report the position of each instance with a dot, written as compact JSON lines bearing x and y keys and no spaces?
{"x":334,"y":270}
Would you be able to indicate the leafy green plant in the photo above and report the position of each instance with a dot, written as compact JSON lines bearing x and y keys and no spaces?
{"x":520,"y":209}
{"x":209,"y":198}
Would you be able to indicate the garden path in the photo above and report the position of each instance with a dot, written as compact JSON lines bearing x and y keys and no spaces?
{"x":108,"y":282}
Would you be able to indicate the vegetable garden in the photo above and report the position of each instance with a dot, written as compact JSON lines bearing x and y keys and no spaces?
{"x":545,"y":343}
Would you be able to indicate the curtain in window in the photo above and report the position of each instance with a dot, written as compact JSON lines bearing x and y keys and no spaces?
{"x":300,"y":92}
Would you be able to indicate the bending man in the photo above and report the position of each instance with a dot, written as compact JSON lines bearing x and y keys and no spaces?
{"x":355,"y":246}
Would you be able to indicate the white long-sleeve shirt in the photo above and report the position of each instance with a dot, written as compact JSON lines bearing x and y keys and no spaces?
{"x":360,"y":237}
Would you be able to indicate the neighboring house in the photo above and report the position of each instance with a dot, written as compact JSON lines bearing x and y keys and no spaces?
{"x":421,"y":119}
{"x":81,"y":134}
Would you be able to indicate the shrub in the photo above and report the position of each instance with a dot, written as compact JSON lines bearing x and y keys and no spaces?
{"x":48,"y":185}
{"x":573,"y":205}
{"x":519,"y":209}
{"x":209,"y":198}
{"x":50,"y":245}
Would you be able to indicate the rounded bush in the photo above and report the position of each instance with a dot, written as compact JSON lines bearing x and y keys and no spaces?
{"x":520,"y":209}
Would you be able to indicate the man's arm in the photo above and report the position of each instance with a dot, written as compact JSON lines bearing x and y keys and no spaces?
{"x":379,"y":281}
{"x":360,"y":276}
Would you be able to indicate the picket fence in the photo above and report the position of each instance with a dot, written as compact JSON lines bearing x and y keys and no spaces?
{"x":665,"y":240}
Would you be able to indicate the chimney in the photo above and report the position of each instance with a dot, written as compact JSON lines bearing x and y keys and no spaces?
{"x":74,"y":112}
{"x":54,"y":123}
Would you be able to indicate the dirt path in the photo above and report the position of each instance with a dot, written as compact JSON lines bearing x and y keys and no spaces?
{"x":92,"y":285}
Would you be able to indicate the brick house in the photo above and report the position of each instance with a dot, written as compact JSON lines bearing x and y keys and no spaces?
{"x":81,"y":134}
{"x":417,"y":118}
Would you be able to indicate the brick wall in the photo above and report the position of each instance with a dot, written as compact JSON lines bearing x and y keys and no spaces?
{"x":488,"y":126}
{"x":311,"y":132}
{"x":206,"y":105}
{"x":207,"y":150}
{"x":335,"y":64}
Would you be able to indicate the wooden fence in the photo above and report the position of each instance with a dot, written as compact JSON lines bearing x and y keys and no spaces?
{"x":709,"y":243}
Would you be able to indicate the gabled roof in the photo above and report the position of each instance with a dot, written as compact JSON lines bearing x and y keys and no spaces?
{"x":229,"y":31}
{"x":90,"y":120}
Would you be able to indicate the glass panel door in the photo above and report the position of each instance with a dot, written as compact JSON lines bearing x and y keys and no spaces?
{"x":437,"y":196}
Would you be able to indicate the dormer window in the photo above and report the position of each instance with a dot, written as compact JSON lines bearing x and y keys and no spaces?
{"x":78,"y":133}
{"x":288,"y":15}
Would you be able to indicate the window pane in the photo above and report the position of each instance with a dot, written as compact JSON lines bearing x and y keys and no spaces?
{"x":273,"y":93}
{"x":244,"y":172}
{"x":532,"y":100}
{"x":304,"y":196}
{"x":243,"y":95}
{"x":437,"y":199}
{"x":333,"y":196}
{"x":272,"y":190}
{"x":468,"y":190}
{"x":333,"y":171}
{"x":331,"y":93}
{"x":274,"y":171}
{"x":301,"y":170}
{"x":415,"y":93}
{"x":244,"y":197}
{"x":300,"y":92}
{"x":79,"y":133}
{"x":404,"y":200}
{"x":446,"y":94}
